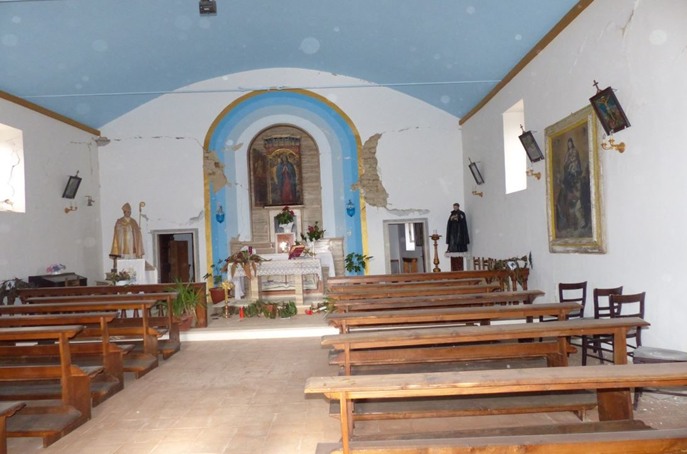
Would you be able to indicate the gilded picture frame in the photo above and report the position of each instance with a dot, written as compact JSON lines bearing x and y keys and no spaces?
{"x":573,"y":185}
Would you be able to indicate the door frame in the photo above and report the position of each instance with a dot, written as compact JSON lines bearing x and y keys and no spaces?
{"x":426,"y":249}
{"x":195,"y":259}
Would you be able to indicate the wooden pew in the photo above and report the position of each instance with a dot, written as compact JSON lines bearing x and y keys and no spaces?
{"x":612,"y":385}
{"x":344,"y":321}
{"x":506,"y":279}
{"x":422,"y":290}
{"x":103,"y":353}
{"x":417,"y":302}
{"x":440,"y":344}
{"x":139,"y":363}
{"x":164,"y":322}
{"x":49,"y":419}
{"x":406,"y":284}
{"x":200,"y":287}
{"x":7,"y":409}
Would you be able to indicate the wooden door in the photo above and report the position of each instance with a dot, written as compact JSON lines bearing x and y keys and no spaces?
{"x":179,"y":265}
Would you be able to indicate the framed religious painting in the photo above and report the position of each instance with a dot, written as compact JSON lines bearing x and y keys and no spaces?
{"x":611,"y":114}
{"x":573,"y":186}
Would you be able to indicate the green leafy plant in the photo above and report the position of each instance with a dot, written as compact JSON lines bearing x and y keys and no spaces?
{"x":355,"y":263}
{"x":285,"y":216}
{"x":216,"y":272}
{"x":187,"y":299}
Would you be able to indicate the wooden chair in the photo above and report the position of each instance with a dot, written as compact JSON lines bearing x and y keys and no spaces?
{"x":602,"y":309}
{"x":629,"y":306}
{"x":571,"y":293}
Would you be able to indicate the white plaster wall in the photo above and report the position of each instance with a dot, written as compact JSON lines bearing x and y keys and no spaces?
{"x":640,"y":49}
{"x":156,"y":154}
{"x":45,"y":234}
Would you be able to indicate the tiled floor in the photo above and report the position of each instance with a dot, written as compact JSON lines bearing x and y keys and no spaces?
{"x":246,"y":396}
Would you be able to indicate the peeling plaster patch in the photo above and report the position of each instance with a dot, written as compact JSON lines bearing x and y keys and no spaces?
{"x":310,"y":46}
{"x":369,"y":181}
{"x":658,"y":37}
{"x":214,"y":170}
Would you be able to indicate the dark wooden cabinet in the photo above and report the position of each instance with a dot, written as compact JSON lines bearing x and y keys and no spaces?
{"x":58,"y":280}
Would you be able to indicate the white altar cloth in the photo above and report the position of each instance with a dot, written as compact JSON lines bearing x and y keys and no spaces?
{"x":145,"y":272}
{"x":279,"y":264}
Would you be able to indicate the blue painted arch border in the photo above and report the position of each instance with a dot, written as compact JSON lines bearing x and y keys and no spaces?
{"x":292,"y":106}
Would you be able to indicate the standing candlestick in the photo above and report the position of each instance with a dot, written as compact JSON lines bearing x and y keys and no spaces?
{"x":435,"y":237}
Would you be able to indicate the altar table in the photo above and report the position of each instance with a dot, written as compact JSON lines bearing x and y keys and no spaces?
{"x":280,"y":265}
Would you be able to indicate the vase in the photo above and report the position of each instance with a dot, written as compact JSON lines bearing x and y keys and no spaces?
{"x":286,"y":228}
{"x":322,"y":245}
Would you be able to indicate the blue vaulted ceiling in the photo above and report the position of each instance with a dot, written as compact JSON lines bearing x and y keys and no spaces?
{"x":94,"y":60}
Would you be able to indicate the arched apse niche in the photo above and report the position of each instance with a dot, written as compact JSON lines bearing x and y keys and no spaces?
{"x":227,"y":144}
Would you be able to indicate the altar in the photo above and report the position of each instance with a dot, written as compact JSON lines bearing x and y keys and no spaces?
{"x":297,"y":269}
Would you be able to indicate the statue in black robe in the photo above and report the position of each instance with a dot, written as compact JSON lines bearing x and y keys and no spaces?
{"x":457,"y":237}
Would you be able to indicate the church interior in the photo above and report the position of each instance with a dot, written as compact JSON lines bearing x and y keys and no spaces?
{"x":369,"y":121}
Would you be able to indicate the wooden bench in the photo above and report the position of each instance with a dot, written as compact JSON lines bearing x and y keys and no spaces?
{"x":612,"y":385}
{"x":121,"y":330}
{"x":344,"y":321}
{"x":200,"y":287}
{"x":48,"y":419}
{"x":507,"y":280}
{"x":342,"y":288}
{"x":164,"y":322}
{"x":7,"y":409}
{"x":416,"y":302}
{"x":103,"y":353}
{"x":422,"y":291}
{"x":483,"y":342}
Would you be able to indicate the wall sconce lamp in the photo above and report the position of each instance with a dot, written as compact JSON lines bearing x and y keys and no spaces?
{"x":71,"y":187}
{"x":531,"y":147}
{"x":219,"y":214}
{"x":611,"y":145}
{"x":350,"y":208}
{"x":480,"y":194}
{"x":476,"y":174}
{"x":532,"y":173}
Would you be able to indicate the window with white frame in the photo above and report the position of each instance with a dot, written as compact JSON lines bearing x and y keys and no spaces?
{"x":514,"y":157}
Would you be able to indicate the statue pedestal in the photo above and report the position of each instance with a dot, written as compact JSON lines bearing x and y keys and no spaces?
{"x":145,"y":272}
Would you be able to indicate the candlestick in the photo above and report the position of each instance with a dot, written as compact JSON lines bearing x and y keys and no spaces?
{"x":435,"y":237}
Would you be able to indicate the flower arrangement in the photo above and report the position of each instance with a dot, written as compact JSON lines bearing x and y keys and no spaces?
{"x":314,"y":233}
{"x":122,"y":275}
{"x":285,"y":216}
{"x":246,"y":259}
{"x":55,"y":268}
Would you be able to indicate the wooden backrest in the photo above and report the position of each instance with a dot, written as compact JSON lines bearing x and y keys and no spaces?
{"x":602,"y":303}
{"x":624,"y":306}
{"x":573,"y":292}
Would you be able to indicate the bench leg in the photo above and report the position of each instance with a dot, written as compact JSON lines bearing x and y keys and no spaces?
{"x":346,"y":422}
{"x":614,"y":404}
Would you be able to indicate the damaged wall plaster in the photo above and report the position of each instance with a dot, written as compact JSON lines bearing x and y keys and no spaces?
{"x":369,"y":183}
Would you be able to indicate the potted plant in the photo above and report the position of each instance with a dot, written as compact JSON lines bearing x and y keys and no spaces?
{"x":285,"y":219}
{"x":314,"y":235}
{"x":355,"y":263}
{"x":216,"y":274}
{"x":185,"y":303}
{"x":246,"y":259}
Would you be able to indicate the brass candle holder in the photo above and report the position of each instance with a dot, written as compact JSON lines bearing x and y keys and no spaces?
{"x":435,"y":237}
{"x":226,"y":285}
